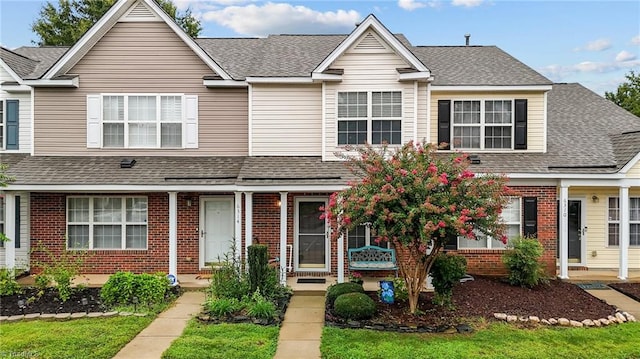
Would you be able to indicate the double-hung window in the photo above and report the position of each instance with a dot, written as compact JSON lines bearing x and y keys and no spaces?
{"x":613,"y":221}
{"x":107,"y":222}
{"x":483,"y":124}
{"x":369,"y":117}
{"x":142,"y":121}
{"x":360,"y":236}
{"x":511,"y":216}
{"x":2,"y":125}
{"x":1,"y":219}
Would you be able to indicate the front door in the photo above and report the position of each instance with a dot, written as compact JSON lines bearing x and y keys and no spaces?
{"x":217,"y":229}
{"x":311,"y":241}
{"x":575,"y":231}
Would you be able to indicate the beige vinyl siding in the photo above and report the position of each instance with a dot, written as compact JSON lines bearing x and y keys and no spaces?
{"x":144,"y":57}
{"x":634,"y":172}
{"x":22,"y":253}
{"x":535,"y":112}
{"x":423,"y":126}
{"x":368,"y":72}
{"x":286,"y":120}
{"x":24,"y":113}
{"x":597,"y":228}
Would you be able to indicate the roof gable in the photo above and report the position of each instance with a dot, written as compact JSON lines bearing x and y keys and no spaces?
{"x":359,"y":37}
{"x":128,"y":10}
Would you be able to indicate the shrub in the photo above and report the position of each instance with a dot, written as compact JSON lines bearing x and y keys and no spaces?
{"x":121,"y":287}
{"x":222,"y":307}
{"x":445,"y":273}
{"x":229,"y":279}
{"x":354,"y":306}
{"x":260,"y":307}
{"x":8,"y":283}
{"x":60,"y":268}
{"x":258,"y":261}
{"x":522,"y":259}
{"x":338,"y":289}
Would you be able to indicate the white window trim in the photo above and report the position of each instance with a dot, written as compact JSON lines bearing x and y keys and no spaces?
{"x":608,"y":221}
{"x":158,"y":121}
{"x":482,"y":123}
{"x":370,"y":117}
{"x":367,"y":237}
{"x":3,"y":124}
{"x":91,"y":223}
{"x":489,"y":239}
{"x":2,"y":214}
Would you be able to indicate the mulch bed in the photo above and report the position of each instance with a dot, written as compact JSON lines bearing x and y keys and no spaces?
{"x":629,"y":289}
{"x":482,"y":298}
{"x":48,"y":302}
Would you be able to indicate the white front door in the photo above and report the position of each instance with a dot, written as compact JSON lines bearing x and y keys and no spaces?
{"x":217,"y":230}
{"x":311,"y":239}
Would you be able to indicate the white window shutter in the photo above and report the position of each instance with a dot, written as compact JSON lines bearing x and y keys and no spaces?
{"x":93,"y":121}
{"x":191,"y":121}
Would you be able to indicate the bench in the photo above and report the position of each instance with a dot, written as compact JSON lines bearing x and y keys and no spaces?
{"x":372,"y":258}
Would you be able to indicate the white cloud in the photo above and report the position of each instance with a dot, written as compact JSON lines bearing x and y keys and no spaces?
{"x":269,"y":19}
{"x":595,"y":45}
{"x":466,"y":3}
{"x":625,"y":56}
{"x":558,"y":72}
{"x":411,"y":5}
{"x":635,"y":40}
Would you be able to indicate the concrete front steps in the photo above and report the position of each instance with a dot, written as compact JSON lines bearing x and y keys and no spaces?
{"x":301,"y":329}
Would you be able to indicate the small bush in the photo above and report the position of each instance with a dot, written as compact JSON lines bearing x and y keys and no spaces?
{"x":229,"y":280}
{"x":121,"y":287}
{"x":522,"y":259}
{"x":8,"y":283}
{"x":260,"y":307}
{"x":42,"y":281}
{"x":222,"y":307}
{"x":258,"y":260}
{"x":338,"y":289}
{"x":354,"y":306}
{"x":60,"y":268}
{"x":447,"y":270}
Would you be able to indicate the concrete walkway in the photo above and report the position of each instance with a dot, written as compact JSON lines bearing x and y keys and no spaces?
{"x":157,"y":337}
{"x":617,"y":299}
{"x":302,"y":327}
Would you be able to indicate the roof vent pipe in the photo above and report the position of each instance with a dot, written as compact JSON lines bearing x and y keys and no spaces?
{"x":466,"y":39}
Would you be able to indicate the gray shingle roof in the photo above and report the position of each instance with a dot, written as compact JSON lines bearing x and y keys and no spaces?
{"x":476,"y":65}
{"x":21,"y":65}
{"x":43,"y":57}
{"x":293,"y":170}
{"x":625,"y":147}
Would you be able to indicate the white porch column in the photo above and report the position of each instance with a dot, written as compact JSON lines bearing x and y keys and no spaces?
{"x":173,"y":234}
{"x":248,"y":220}
{"x":623,"y":272}
{"x":564,"y":232}
{"x":10,"y":229}
{"x":283,"y":238}
{"x":238,"y":225}
{"x":341,"y":258}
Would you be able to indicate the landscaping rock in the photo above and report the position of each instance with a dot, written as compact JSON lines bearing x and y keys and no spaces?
{"x":3,"y":318}
{"x":126,"y":314}
{"x":523,"y":319}
{"x":630,"y":318}
{"x":612,"y":319}
{"x":14,"y":318}
{"x":597,"y":323}
{"x":450,"y":330}
{"x":576,"y":324}
{"x":500,"y":316}
{"x":588,"y":323}
{"x":62,"y":316}
{"x":94,"y":315}
{"x":77,"y":315}
{"x":621,"y":318}
{"x":512,"y":318}
{"x":109,"y":314}
{"x":534,"y":319}
{"x":564,"y":322}
{"x":354,"y":324}
{"x":47,"y":316}
{"x":553,"y":321}
{"x":604,"y":322}
{"x":141,"y":314}
{"x":32,"y":316}
{"x":464,"y":328}
{"x":545,"y":322}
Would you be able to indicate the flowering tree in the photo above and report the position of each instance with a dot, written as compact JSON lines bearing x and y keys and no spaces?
{"x":417,"y":201}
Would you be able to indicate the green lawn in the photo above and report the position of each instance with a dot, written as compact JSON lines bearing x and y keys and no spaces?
{"x":224,"y":341}
{"x":79,"y":338}
{"x":495,"y":341}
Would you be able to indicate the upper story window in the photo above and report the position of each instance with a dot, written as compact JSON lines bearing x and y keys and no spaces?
{"x":483,"y":124}
{"x":107,"y":222}
{"x":369,"y":117}
{"x":614,"y":221}
{"x":142,"y":121}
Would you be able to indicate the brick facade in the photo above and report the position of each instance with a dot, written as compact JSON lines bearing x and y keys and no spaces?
{"x":48,"y":228}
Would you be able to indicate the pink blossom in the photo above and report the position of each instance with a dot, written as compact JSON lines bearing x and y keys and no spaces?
{"x":346,"y":220}
{"x":441,"y":224}
{"x":432,"y":168}
{"x":403,"y":172}
{"x":388,"y":178}
{"x":443,"y":178}
{"x":503,"y":238}
{"x":414,"y":171}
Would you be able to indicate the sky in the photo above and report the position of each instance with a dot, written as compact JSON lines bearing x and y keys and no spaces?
{"x":595,"y":43}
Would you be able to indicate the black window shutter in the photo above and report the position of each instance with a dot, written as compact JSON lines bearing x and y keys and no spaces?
{"x":444,"y":123}
{"x":530,"y":217}
{"x":521,"y":125}
{"x":452,"y":242}
{"x":12,"y":124}
{"x":16,"y":237}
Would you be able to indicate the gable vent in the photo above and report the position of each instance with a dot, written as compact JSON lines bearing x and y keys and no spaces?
{"x":140,"y":12}
{"x":370,"y":42}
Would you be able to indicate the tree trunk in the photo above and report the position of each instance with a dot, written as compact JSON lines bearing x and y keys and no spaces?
{"x":414,"y":268}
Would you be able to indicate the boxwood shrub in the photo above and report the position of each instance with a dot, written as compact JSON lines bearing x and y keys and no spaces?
{"x":354,"y":306}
